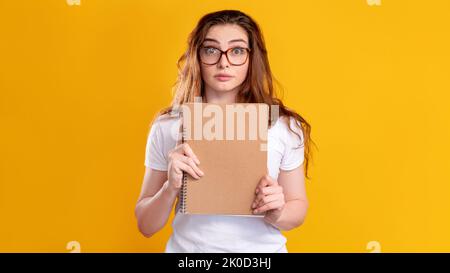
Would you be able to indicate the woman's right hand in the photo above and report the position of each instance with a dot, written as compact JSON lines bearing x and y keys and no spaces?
{"x":182,"y":158}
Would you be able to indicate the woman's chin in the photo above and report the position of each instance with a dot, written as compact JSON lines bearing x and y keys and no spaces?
{"x":224,"y":87}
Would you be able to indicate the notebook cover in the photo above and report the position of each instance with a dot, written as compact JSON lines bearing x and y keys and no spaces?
{"x":232,"y":167}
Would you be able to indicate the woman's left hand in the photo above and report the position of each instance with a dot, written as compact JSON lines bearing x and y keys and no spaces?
{"x":269,"y":199}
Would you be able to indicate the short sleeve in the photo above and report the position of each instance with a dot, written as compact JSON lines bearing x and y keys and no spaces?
{"x":154,"y":151}
{"x":293,"y":155}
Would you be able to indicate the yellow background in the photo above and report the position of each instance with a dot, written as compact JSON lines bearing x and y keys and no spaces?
{"x":79,"y":86}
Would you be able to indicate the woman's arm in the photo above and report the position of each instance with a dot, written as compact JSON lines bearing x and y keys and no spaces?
{"x":160,"y":189}
{"x":155,"y":202}
{"x":284,"y":200}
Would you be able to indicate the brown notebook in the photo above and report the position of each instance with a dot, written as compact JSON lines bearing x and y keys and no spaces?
{"x":231,"y":145}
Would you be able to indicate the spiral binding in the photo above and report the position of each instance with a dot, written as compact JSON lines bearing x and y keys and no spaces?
{"x":183,"y":190}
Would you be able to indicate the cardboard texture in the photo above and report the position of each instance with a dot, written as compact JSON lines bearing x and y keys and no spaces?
{"x":232,"y":167}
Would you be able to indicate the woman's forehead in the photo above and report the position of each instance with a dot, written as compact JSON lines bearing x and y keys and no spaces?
{"x":226,"y":34}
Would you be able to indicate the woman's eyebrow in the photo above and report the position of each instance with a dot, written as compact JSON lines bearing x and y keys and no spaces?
{"x":211,"y":40}
{"x":231,"y":41}
{"x":237,"y":40}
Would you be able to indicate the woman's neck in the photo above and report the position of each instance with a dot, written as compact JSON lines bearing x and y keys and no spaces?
{"x":221,"y":97}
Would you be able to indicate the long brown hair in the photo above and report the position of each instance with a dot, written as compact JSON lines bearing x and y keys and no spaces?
{"x":258,"y":86}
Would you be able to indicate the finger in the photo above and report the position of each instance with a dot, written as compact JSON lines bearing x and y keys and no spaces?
{"x":188,"y":151}
{"x":270,"y":180}
{"x":189,"y":161}
{"x":270,"y":198}
{"x":265,"y":181}
{"x":261,"y":199}
{"x":185,"y":167}
{"x":269,"y":190}
{"x":270,"y":206}
{"x":262,"y":183}
{"x":177,"y":170}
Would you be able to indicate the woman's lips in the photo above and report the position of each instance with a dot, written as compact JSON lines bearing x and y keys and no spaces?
{"x":223,"y":78}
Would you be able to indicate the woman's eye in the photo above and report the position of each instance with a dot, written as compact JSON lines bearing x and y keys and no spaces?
{"x":210,"y":50}
{"x":237,"y":51}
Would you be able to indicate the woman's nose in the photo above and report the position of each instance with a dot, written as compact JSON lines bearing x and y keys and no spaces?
{"x":223,"y":62}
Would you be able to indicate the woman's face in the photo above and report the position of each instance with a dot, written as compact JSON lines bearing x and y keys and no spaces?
{"x":224,"y":76}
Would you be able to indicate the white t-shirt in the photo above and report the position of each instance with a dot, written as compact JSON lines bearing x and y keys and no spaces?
{"x":220,"y":233}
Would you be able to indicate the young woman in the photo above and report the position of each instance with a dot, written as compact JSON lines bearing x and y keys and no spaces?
{"x":226,"y":62}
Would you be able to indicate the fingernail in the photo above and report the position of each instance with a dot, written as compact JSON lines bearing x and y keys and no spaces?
{"x":202,"y":173}
{"x":255,"y":211}
{"x":257,"y":190}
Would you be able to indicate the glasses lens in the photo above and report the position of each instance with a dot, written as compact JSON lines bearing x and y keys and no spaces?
{"x":209,"y":55}
{"x":237,"y":55}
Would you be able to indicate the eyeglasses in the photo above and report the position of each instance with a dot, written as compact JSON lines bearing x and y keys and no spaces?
{"x":235,"y":55}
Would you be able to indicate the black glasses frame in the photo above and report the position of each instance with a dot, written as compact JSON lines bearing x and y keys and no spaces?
{"x":226,"y":54}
